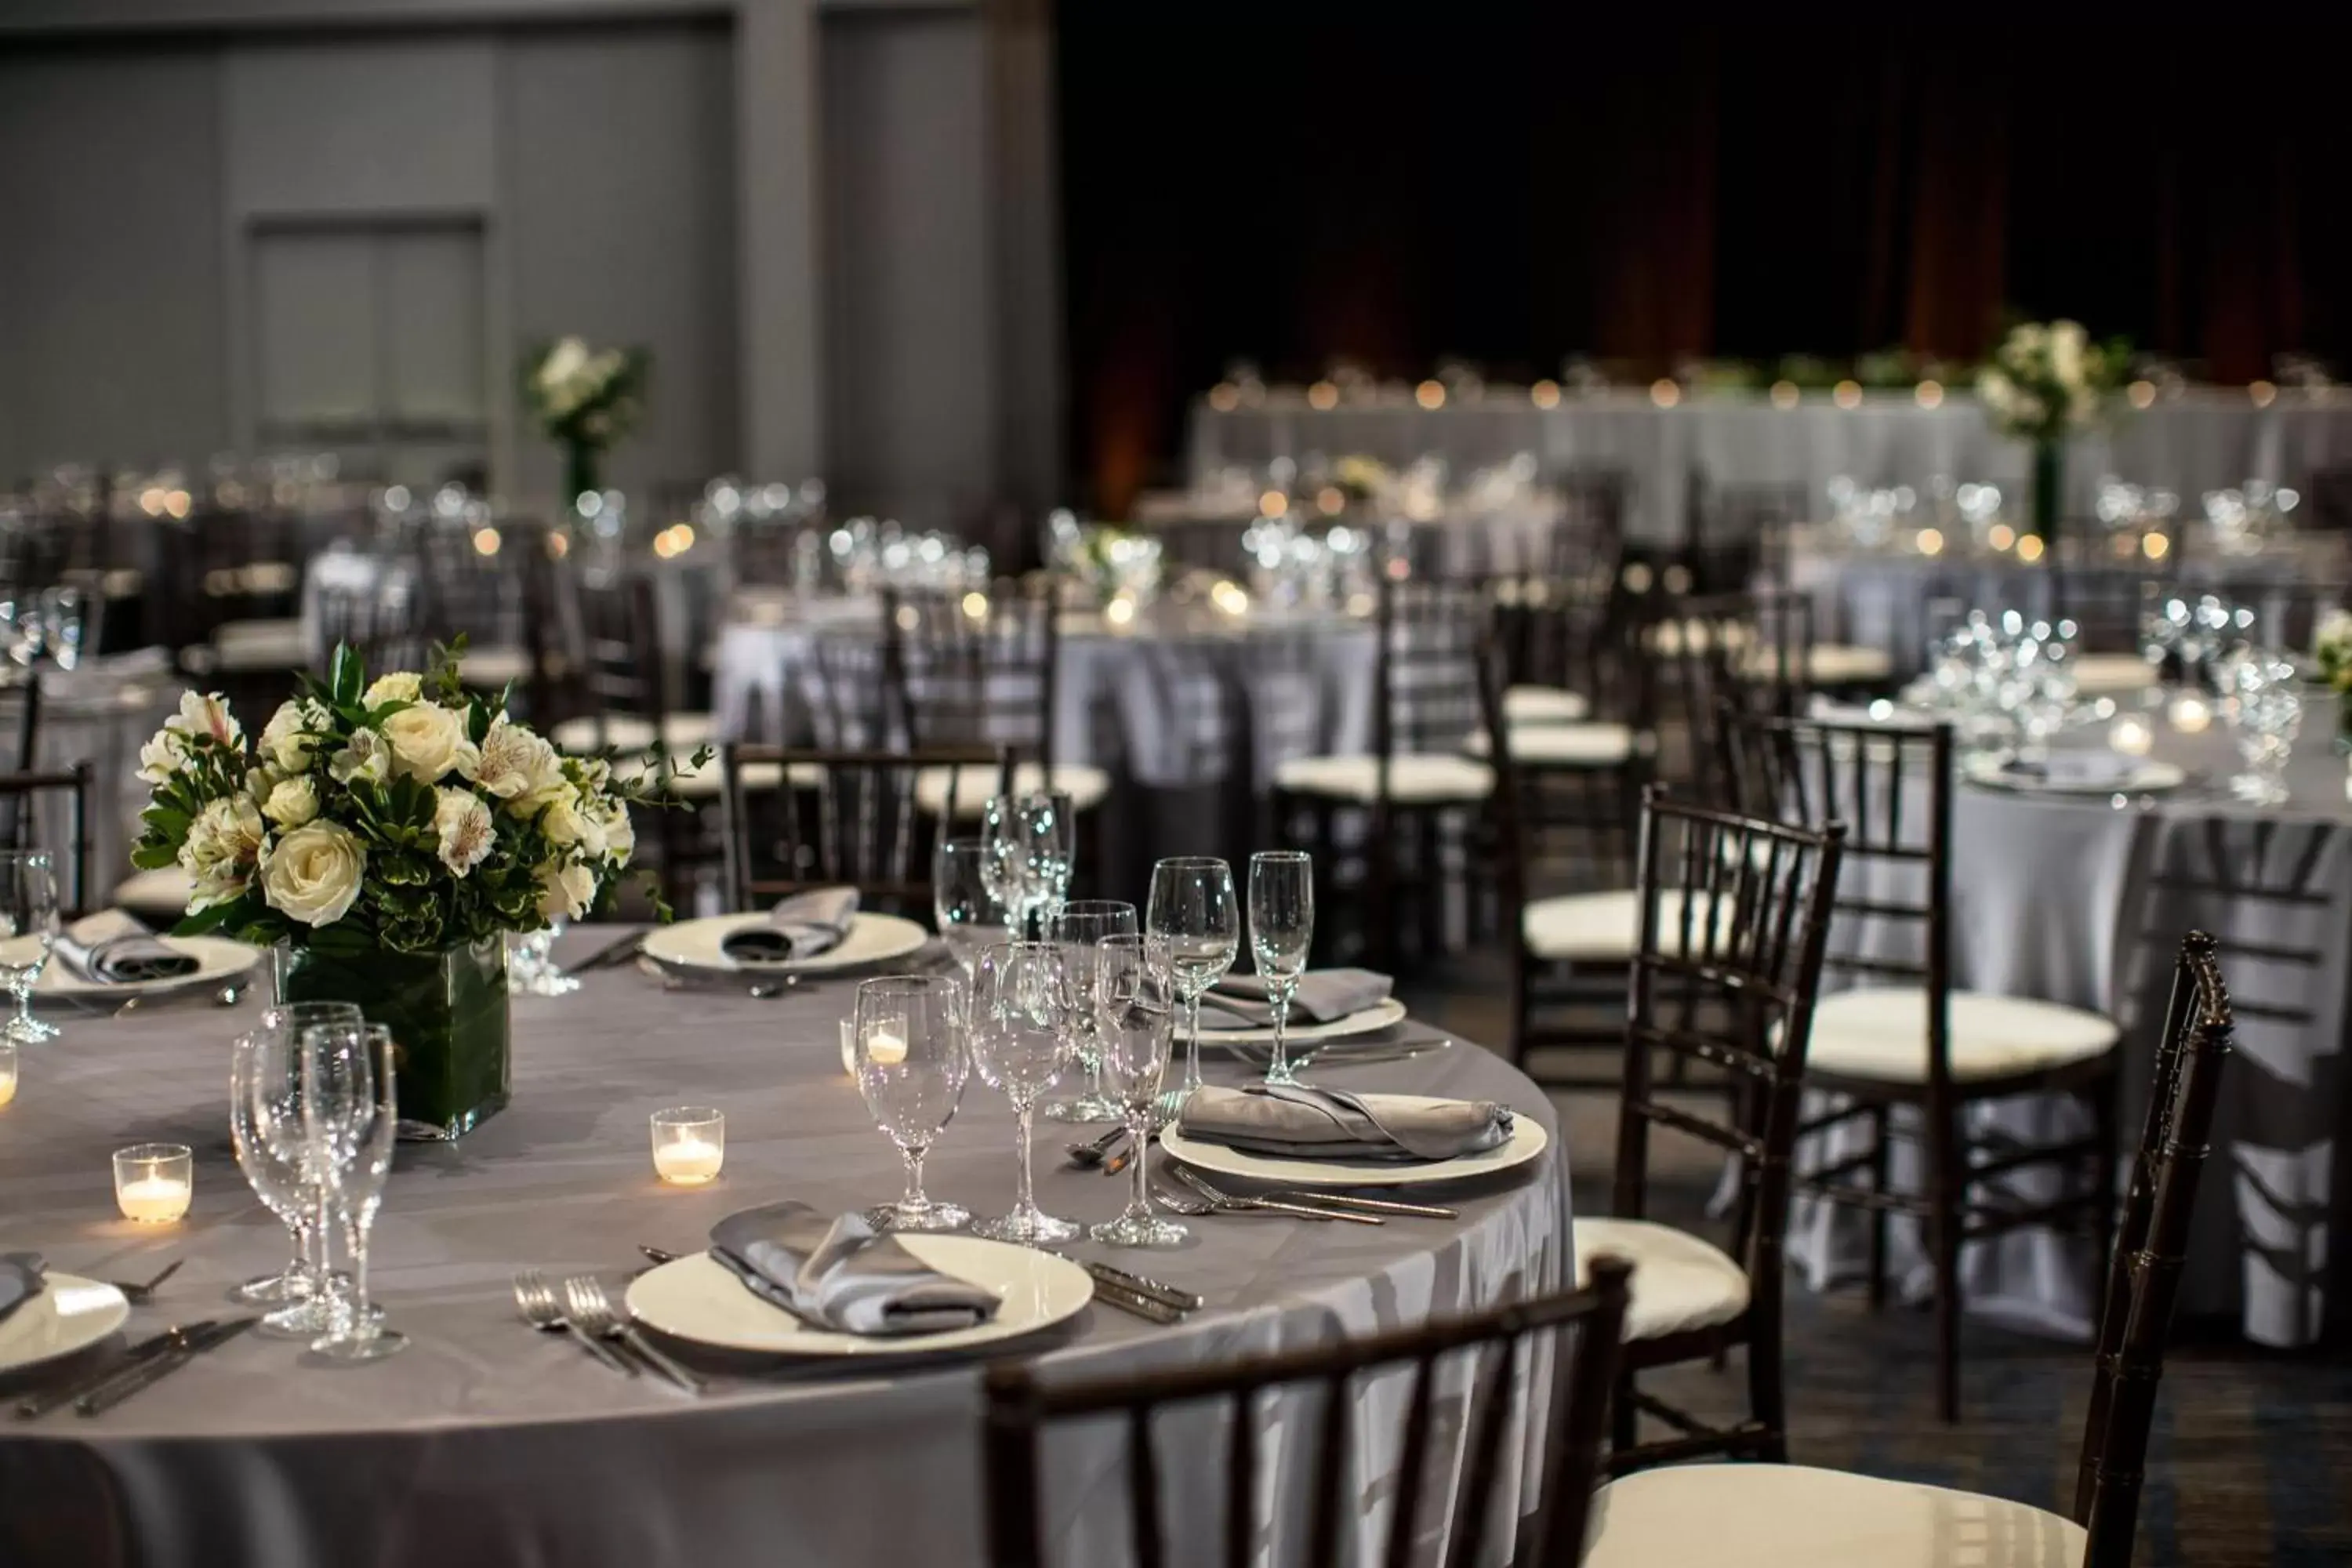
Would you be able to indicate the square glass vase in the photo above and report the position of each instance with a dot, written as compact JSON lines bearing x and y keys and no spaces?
{"x":448,"y":1014}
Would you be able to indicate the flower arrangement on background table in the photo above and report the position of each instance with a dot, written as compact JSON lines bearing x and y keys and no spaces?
{"x":2332,"y":647}
{"x":384,"y":837}
{"x":584,"y":399}
{"x":2044,"y":384}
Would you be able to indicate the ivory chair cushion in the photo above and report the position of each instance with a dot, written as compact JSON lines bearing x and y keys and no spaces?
{"x":160,"y":898}
{"x":1679,"y":1282}
{"x":246,"y":645}
{"x":1608,"y":925}
{"x":2096,"y":673}
{"x":489,"y":668}
{"x":975,"y":782}
{"x":1561,"y":745}
{"x":681,"y":732}
{"x":1544,"y":705}
{"x":1827,"y":664}
{"x":1416,"y":779}
{"x":1881,"y":1033}
{"x":1792,"y":1515}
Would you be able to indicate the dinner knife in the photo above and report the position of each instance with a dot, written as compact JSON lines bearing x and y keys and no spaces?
{"x":40,"y":1401}
{"x":1110,"y":1291}
{"x":191,"y":1344}
{"x":1374,"y":1205}
{"x":611,"y":953}
{"x":1168,"y":1295}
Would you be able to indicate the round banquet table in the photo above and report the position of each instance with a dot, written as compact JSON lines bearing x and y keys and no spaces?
{"x":2082,"y":899}
{"x":487,"y":1442}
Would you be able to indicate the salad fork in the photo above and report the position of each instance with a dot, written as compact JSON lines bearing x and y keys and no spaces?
{"x":536,"y":1302}
{"x":592,"y":1314}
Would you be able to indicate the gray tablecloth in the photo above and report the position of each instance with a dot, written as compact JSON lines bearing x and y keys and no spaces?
{"x":2082,"y":900}
{"x":487,"y":1443}
{"x":2201,"y":440}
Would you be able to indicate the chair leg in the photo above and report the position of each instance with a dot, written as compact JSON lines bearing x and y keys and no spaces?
{"x":1947,"y":1185}
{"x":2106,"y":1117}
{"x":1624,"y":1431}
{"x":1880,"y":1176}
{"x":1380,"y":867}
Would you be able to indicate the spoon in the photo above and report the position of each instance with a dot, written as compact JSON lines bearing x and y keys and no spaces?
{"x":1086,"y":1156}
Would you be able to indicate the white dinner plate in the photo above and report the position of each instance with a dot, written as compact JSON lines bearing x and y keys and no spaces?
{"x":694,"y":945}
{"x":1527,"y":1140}
{"x":1378,"y":1016}
{"x":69,"y":1314}
{"x":218,"y":960}
{"x":2145,"y":778}
{"x":698,"y":1299}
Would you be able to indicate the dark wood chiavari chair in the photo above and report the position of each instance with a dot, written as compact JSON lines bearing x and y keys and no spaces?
{"x":800,"y":817}
{"x":377,"y":618}
{"x":1736,"y":537}
{"x":1904,"y":1038}
{"x":1497,"y":1352}
{"x":1703,"y":1516}
{"x":2331,"y":500}
{"x":1732,"y":916}
{"x":1426,"y":709}
{"x":22,"y":796}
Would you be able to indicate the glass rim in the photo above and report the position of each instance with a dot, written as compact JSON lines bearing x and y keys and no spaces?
{"x":155,"y":1153}
{"x":905,"y":984}
{"x":27,"y":857}
{"x":1095,"y":907}
{"x":972,"y":845}
{"x":1191,"y":862}
{"x":1280,"y":857}
{"x":686,"y":1116}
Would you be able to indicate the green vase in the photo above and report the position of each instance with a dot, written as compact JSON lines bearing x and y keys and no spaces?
{"x":2049,"y":488}
{"x":447,"y":1014}
{"x":580,"y":476}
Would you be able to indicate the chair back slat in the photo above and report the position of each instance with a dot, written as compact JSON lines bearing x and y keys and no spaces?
{"x":1333,"y":1444}
{"x":1426,"y":675}
{"x":1494,"y":1405}
{"x":977,"y":669}
{"x":2144,"y":1279}
{"x":1022,"y":1408}
{"x":22,"y":796}
{"x":796,"y":818}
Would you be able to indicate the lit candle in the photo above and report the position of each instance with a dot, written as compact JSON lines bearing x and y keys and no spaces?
{"x":154,"y":1182}
{"x":848,"y":1048}
{"x":689,"y":1145}
{"x":2191,"y":714}
{"x":2131,"y":734}
{"x":884,"y":1049}
{"x":8,"y":1072}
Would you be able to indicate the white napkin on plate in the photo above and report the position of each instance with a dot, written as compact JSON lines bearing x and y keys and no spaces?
{"x":112,"y":948}
{"x":801,"y":926}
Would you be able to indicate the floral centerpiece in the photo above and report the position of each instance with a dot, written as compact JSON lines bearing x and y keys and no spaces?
{"x":2332,"y":648}
{"x":2044,"y":384}
{"x":583,"y":400}
{"x":384,"y":837}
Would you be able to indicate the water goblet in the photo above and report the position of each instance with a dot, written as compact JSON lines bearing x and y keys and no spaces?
{"x":1022,"y":1038}
{"x":907,"y":1038}
{"x":351,"y":1113}
{"x":969,"y":914}
{"x":265,"y":1082}
{"x":1282,"y":929}
{"x":28,"y":922}
{"x":1135,"y":1021}
{"x":1191,"y":907}
{"x":1074,"y":929}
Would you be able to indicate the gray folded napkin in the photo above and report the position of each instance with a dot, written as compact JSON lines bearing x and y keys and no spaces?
{"x":840,"y":1275}
{"x":1324,"y":996}
{"x":2076,"y":769}
{"x":20,"y":1280}
{"x":1295,"y":1122}
{"x":114,"y":948}
{"x":800,"y":927}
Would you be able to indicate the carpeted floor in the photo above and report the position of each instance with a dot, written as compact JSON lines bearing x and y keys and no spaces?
{"x":2252,"y":1460}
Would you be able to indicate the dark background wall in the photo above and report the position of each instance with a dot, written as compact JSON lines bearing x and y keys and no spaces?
{"x":1514,"y":183}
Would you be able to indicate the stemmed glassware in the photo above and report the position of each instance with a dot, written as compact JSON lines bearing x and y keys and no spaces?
{"x":28,"y":919}
{"x":1192,"y":909}
{"x":1032,"y":842}
{"x":909,"y":1041}
{"x":530,"y":969}
{"x":1135,"y":1020}
{"x":1282,"y":929}
{"x":1074,"y":929}
{"x":265,"y":1128}
{"x":1022,"y":1038}
{"x":351,"y":1116}
{"x":969,"y":912}
{"x":2268,"y":716}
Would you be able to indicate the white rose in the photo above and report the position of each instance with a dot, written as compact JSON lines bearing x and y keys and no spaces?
{"x":565,"y":892}
{"x":428,"y":741}
{"x":314,"y":874}
{"x":287,"y":742}
{"x":568,"y":821}
{"x":205,"y":714}
{"x":364,"y":757}
{"x":2067,"y":340}
{"x":516,"y":765}
{"x":619,"y":834}
{"x":402,"y":686}
{"x":465,"y":830}
{"x":163,"y":756}
{"x":563,"y":362}
{"x":291,"y":801}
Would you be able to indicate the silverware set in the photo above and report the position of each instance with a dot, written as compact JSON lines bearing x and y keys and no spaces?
{"x":100,"y":1006}
{"x":585,"y":1313}
{"x":142,"y":1365}
{"x":1138,"y":1295}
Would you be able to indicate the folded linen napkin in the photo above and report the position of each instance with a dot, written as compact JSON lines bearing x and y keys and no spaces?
{"x":2088,"y":769}
{"x":1295,"y":1122}
{"x":842,"y":1275}
{"x":20,"y":1280}
{"x":112,"y":948}
{"x":1324,"y":996}
{"x":801,"y":926}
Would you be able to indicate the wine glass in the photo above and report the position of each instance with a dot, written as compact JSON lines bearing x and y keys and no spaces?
{"x":1074,"y":929}
{"x":2268,"y":717}
{"x":1032,"y":848}
{"x":1004,"y":859}
{"x":1191,"y":907}
{"x":1022,"y":1038}
{"x":28,"y":918}
{"x":530,"y":966}
{"x":1282,"y":928}
{"x":1053,"y":822}
{"x":908,"y":1040}
{"x":1135,"y":1021}
{"x":259,"y":1067}
{"x":351,"y":1113}
{"x":969,"y":912}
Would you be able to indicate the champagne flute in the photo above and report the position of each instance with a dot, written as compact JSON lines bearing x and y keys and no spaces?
{"x":265,"y":1087}
{"x":1004,"y":859}
{"x":1135,"y":1021}
{"x":1074,"y":929}
{"x":351,"y":1113}
{"x":1053,"y":825}
{"x":908,"y":1040}
{"x":1022,"y":1038}
{"x":28,"y":919}
{"x":965,"y":906}
{"x":1282,"y":928}
{"x":1191,"y":909}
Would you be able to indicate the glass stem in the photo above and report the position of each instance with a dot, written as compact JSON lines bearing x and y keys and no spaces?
{"x":361,"y":1325}
{"x":1191,"y":1042}
{"x":1278,"y":1070}
{"x":1138,"y":1202}
{"x":322,"y":1267}
{"x":913,"y":1160}
{"x":1023,"y":1197}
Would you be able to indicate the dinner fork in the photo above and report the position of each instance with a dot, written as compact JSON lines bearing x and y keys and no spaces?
{"x":1223,"y":1202}
{"x":592,"y":1313}
{"x":540,"y":1309}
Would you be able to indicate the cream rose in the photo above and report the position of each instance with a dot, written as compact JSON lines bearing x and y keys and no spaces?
{"x":565,"y":892}
{"x":401,"y":686}
{"x":365,"y":757}
{"x":428,"y":741}
{"x":205,"y":714}
{"x":620,"y":833}
{"x":517,"y":766}
{"x":286,"y":743}
{"x":568,"y":821}
{"x":163,"y":756}
{"x":314,"y":874}
{"x":291,"y":801}
{"x":465,"y":830}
